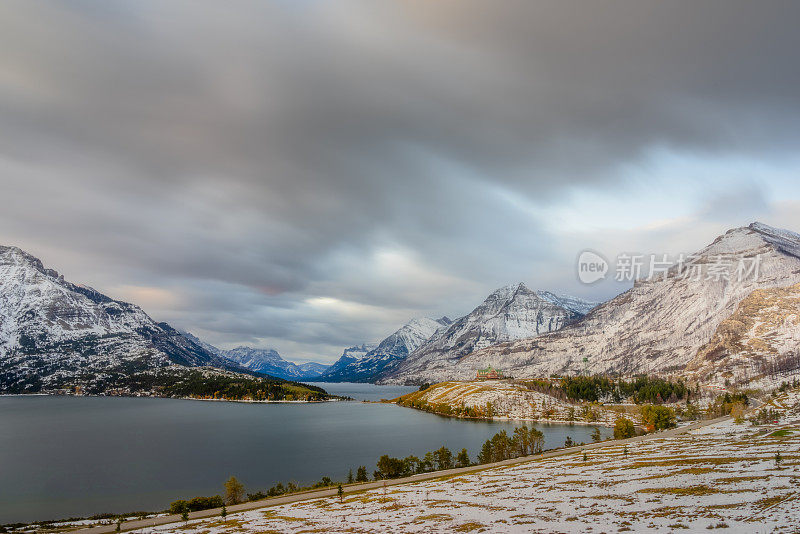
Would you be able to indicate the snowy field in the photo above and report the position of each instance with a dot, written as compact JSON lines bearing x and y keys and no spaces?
{"x":722,"y":477}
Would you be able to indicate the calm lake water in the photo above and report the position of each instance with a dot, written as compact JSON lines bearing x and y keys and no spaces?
{"x":77,"y":456}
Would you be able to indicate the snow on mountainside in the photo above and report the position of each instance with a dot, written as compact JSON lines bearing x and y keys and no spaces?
{"x":509,"y":313}
{"x":52,"y":330}
{"x":659,"y":325}
{"x":387,"y":354}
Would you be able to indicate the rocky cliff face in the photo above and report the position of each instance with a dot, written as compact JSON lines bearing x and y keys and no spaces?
{"x":388,"y":354}
{"x":52,"y":330}
{"x":658,"y":325}
{"x":510,"y":313}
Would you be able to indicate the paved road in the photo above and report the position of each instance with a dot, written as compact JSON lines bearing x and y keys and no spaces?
{"x":350,"y":488}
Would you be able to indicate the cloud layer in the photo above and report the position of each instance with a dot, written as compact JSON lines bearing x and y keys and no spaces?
{"x":309,"y":174}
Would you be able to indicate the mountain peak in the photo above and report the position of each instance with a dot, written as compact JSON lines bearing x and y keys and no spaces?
{"x":508,"y":292}
{"x":750,"y":241}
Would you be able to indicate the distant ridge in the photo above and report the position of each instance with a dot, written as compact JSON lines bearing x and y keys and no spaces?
{"x":265,"y":361}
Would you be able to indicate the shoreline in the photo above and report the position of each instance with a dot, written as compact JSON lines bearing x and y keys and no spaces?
{"x":557,"y":422}
{"x":246,"y":401}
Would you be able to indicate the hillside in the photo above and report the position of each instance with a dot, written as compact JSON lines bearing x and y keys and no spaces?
{"x":504,"y":400}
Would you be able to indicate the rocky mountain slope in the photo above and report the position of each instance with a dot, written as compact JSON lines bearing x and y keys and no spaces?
{"x":53,"y":331}
{"x":510,"y":313}
{"x":661,"y":325}
{"x":389,"y":353}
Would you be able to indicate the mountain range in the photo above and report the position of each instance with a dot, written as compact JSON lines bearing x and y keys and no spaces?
{"x":696,"y":321}
{"x":265,"y":361}
{"x":693,"y":321}
{"x":509,"y":313}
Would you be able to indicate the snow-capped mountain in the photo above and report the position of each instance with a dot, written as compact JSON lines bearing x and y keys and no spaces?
{"x":509,"y":313}
{"x":52,"y":331}
{"x":661,"y":325}
{"x":391,"y":351}
{"x":350,"y":356}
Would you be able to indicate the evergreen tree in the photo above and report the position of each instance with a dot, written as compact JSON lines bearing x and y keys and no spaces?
{"x":350,"y":477}
{"x":596,"y":435}
{"x":522,"y":440}
{"x":340,"y":493}
{"x":485,"y":456}
{"x":185,"y":515}
{"x":411,"y":465}
{"x":462,"y":460}
{"x":444,"y":458}
{"x":119,"y":524}
{"x":778,"y":459}
{"x":568,"y":442}
{"x":536,"y":440}
{"x":361,"y":474}
{"x":224,"y":512}
{"x":428,"y":463}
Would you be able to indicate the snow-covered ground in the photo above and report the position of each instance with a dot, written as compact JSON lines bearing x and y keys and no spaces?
{"x":722,"y":476}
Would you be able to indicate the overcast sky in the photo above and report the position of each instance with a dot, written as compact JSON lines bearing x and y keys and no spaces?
{"x":309,"y":175}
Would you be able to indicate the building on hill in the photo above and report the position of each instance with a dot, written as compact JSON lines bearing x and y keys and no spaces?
{"x":490,"y":373}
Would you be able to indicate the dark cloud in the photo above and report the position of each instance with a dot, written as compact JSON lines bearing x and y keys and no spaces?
{"x":251,"y":157}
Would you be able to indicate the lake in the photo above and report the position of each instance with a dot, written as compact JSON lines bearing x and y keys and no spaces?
{"x":78,"y":456}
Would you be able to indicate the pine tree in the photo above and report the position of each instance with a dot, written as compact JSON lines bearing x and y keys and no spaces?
{"x":185,"y":515}
{"x":350,"y":477}
{"x":224,"y":512}
{"x":119,"y":524}
{"x":361,"y":474}
{"x":340,"y":493}
{"x":444,"y":458}
{"x":485,"y":456}
{"x":462,"y":460}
